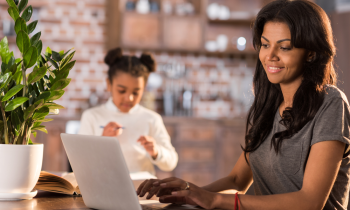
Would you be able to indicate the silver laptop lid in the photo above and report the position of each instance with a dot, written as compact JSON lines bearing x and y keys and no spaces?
{"x":101,"y":172}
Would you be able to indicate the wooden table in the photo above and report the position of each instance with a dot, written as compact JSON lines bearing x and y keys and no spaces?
{"x":54,"y":201}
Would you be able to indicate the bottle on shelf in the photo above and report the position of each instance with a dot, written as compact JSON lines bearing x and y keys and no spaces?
{"x":130,"y":5}
{"x":143,"y":6}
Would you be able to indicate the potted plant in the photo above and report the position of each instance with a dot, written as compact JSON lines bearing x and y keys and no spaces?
{"x":28,"y":87}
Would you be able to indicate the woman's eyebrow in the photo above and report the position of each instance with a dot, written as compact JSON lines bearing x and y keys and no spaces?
{"x":279,"y":41}
{"x":121,"y":86}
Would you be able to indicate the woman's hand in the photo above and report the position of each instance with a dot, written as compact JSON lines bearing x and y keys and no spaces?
{"x":172,"y":190}
{"x":150,"y":145}
{"x":112,"y":129}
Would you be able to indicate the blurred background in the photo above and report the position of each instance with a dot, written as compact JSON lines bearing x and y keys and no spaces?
{"x":202,"y":86}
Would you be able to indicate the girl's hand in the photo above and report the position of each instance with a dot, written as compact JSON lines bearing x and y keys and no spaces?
{"x":112,"y":129}
{"x":150,"y":145}
{"x":172,"y":190}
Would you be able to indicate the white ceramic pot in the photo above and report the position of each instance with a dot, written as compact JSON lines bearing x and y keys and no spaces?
{"x":20,"y":167}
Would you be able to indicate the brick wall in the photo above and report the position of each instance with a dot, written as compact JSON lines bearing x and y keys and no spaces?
{"x":216,"y":83}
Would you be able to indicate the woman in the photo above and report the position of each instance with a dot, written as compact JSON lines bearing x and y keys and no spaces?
{"x":298,"y":126}
{"x":141,"y":132}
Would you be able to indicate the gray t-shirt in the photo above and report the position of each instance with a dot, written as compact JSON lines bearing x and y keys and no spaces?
{"x":283,"y":173}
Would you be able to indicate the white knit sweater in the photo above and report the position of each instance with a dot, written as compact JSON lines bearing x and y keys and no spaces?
{"x":137,"y":122}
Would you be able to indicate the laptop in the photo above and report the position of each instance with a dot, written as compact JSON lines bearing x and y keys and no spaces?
{"x":103,"y":176}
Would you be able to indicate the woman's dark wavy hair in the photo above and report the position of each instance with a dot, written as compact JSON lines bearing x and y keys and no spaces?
{"x":137,"y":67}
{"x":310,"y":29}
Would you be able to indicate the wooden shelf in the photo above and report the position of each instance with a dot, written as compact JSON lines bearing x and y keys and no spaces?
{"x":195,"y":52}
{"x":232,"y":21}
{"x":171,"y":33}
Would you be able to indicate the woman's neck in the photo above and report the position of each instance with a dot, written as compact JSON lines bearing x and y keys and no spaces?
{"x":288,"y":91}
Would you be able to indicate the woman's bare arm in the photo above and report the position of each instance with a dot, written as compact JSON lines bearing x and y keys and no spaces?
{"x":240,"y":178}
{"x":320,"y":173}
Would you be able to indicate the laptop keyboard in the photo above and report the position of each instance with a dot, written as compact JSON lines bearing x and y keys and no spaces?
{"x":149,"y":207}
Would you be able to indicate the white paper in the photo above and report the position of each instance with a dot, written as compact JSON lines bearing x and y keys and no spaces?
{"x":142,"y":175}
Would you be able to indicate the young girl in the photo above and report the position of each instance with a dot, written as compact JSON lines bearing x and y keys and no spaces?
{"x":141,"y":132}
{"x":297,"y":139}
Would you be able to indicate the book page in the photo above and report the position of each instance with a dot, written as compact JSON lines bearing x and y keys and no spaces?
{"x":53,"y":183}
{"x":71,"y":178}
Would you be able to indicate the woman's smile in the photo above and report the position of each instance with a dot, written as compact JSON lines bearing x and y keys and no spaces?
{"x":274,"y":69}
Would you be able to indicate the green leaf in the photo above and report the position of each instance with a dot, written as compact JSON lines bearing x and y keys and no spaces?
{"x":30,"y":142}
{"x":18,"y":77}
{"x":44,"y":96}
{"x":15,"y":120}
{"x":67,"y":59}
{"x":13,"y":12}
{"x":27,"y":13}
{"x":48,"y":50}
{"x":56,"y":94}
{"x":39,"y":47}
{"x":11,"y":3}
{"x":37,"y":74}
{"x":34,"y":133}
{"x":23,"y":41}
{"x":40,"y":128}
{"x":12,"y":92}
{"x":22,"y":5}
{"x":39,"y":103}
{"x":30,"y":57}
{"x":3,"y":79}
{"x":12,"y":69}
{"x":37,"y":91}
{"x":18,"y":61}
{"x":41,"y":85}
{"x":54,"y":63}
{"x":3,"y":67}
{"x":56,"y":56}
{"x":52,"y":105}
{"x":32,"y":97}
{"x":4,"y":48}
{"x":44,"y":120}
{"x":36,"y":124}
{"x":63,"y":73}
{"x":52,"y":75}
{"x":35,"y":38}
{"x":29,"y":112}
{"x":60,"y":84}
{"x":10,"y":60}
{"x":20,"y":114}
{"x":21,"y":25}
{"x":40,"y":113}
{"x":15,"y":103}
{"x":31,"y":27}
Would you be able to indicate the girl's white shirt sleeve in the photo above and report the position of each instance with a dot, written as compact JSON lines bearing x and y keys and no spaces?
{"x":167,"y":156}
{"x":87,"y":124}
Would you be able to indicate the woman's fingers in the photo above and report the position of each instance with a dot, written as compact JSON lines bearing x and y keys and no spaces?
{"x":178,"y":183}
{"x":166,"y":191}
{"x":172,"y":199}
{"x":167,"y":180}
{"x":141,"y":187}
{"x":147,"y":187}
{"x":153,"y":191}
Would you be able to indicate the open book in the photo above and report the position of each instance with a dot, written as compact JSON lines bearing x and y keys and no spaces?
{"x":67,"y":184}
